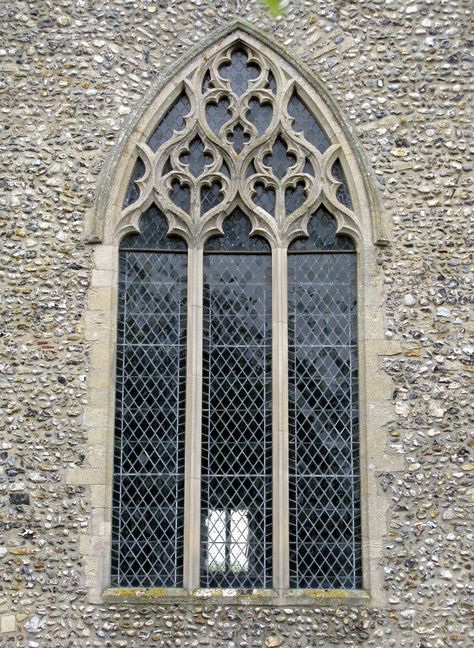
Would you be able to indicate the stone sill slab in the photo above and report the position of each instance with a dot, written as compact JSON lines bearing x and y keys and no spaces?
{"x":308,"y":598}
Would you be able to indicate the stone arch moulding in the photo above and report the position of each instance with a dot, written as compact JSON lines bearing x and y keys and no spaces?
{"x":108,"y":220}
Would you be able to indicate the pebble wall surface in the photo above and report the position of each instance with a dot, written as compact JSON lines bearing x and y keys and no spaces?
{"x":71,"y":73}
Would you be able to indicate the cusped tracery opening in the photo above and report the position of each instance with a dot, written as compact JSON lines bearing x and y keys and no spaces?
{"x":239,"y":128}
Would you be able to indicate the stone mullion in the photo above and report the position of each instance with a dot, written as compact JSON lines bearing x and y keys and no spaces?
{"x":192,"y":465}
{"x":280,"y":452}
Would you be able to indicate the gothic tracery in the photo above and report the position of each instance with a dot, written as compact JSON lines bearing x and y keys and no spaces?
{"x":246,"y":136}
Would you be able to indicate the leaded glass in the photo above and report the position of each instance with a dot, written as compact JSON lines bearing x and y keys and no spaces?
{"x":148,"y":482}
{"x":260,"y":114}
{"x":211,"y":196}
{"x":133,"y":191}
{"x":174,"y":120}
{"x":304,"y":122}
{"x":265,"y":198}
{"x":154,"y":234}
{"x":325,"y":548}
{"x":342,"y":193}
{"x":250,"y":140}
{"x":322,"y":234}
{"x":279,"y":160}
{"x":239,"y":71}
{"x":294,"y":197}
{"x":236,"y":456}
{"x":196,"y":157}
{"x":217,"y":114}
{"x":238,"y":137}
{"x":181,"y":195}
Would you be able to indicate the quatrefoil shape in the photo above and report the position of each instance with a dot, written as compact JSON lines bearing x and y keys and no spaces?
{"x":197,"y":157}
{"x":239,"y":71}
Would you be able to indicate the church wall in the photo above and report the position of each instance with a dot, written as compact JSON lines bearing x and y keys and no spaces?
{"x":72,"y":74}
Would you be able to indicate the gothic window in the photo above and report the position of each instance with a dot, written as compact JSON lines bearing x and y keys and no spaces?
{"x":236,"y":458}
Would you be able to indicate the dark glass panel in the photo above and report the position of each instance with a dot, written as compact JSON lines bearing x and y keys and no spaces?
{"x":239,"y":71}
{"x":265,"y":198}
{"x":217,"y":114}
{"x":325,"y":550}
{"x":132,"y":190}
{"x":294,"y":197}
{"x":322,"y":234}
{"x":260,"y":115}
{"x":197,"y":158}
{"x":238,"y":137}
{"x":148,"y":485}
{"x":181,"y":196}
{"x":206,"y":82}
{"x":305,"y":123}
{"x":237,"y":228}
{"x":342,"y":193}
{"x":279,"y":160}
{"x":271,"y":83}
{"x":308,"y":168}
{"x":211,"y":196}
{"x":171,"y":122}
{"x":236,"y":459}
{"x":154,"y":234}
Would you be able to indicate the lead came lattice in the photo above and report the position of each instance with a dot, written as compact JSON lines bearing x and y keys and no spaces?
{"x":241,"y":131}
{"x":236,"y":459}
{"x":148,"y":488}
{"x":325,"y":551}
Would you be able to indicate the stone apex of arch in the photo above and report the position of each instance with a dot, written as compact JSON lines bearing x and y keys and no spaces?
{"x":117,"y":169}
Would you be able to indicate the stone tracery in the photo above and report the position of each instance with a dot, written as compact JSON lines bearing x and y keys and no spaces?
{"x":247,"y":137}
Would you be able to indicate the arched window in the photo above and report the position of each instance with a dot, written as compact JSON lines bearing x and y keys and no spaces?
{"x":237,"y":168}
{"x":240,"y":235}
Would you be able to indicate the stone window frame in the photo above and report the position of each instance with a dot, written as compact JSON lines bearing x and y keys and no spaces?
{"x":104,"y":228}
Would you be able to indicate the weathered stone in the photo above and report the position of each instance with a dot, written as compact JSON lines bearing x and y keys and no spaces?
{"x":72,"y":76}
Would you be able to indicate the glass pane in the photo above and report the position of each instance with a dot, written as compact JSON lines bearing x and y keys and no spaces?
{"x":342,"y":193}
{"x":239,"y":71}
{"x":217,"y":113}
{"x":325,"y":534}
{"x":237,"y":228}
{"x":322,"y":235}
{"x":171,"y":122}
{"x":236,"y":459}
{"x":148,"y":483}
{"x":305,"y":123}
{"x":132,"y":190}
{"x":154,"y":234}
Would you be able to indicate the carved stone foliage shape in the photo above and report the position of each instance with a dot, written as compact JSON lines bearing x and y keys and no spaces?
{"x":239,"y":132}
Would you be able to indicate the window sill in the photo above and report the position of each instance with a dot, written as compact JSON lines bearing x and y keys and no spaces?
{"x":162,"y":596}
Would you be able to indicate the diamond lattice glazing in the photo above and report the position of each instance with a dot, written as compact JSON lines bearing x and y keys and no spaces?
{"x":133,"y":191}
{"x":325,"y":549}
{"x":342,"y":193}
{"x":171,"y":122}
{"x":148,"y":484}
{"x":239,"y":71}
{"x":305,"y":123}
{"x":322,"y":235}
{"x":236,"y":459}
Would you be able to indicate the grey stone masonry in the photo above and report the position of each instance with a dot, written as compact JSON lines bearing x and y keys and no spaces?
{"x":80,"y":82}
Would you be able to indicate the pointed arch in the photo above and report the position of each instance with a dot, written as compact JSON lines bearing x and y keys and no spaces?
{"x":109,"y":219}
{"x":325,"y":170}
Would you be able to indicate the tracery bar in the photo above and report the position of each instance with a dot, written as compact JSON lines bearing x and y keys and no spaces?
{"x":325,"y":534}
{"x":236,"y":458}
{"x":148,"y":486}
